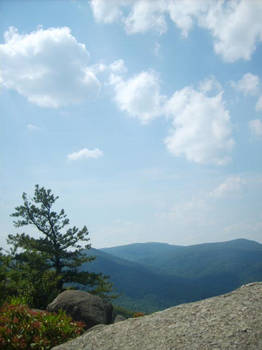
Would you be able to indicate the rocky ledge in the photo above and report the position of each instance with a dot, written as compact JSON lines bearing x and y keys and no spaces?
{"x":229,"y":321}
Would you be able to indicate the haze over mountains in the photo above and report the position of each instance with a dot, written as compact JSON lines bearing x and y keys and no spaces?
{"x":154,"y":276}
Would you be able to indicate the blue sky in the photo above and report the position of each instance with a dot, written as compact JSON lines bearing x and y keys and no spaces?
{"x":145,"y":117}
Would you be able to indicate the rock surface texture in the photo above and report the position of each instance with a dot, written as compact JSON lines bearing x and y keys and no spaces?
{"x":230,"y":321}
{"x":82,"y":306}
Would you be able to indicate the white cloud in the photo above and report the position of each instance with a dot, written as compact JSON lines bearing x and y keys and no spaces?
{"x":146,"y":15}
{"x":232,"y":185}
{"x":139,"y":96}
{"x":48,"y":67}
{"x":193,"y":210}
{"x":259,"y":104}
{"x":248,"y":84}
{"x":201,"y":127}
{"x":184,"y":13}
{"x":139,"y":16}
{"x":234,"y":24}
{"x":210,"y":85}
{"x":255,"y":127}
{"x":118,"y":67}
{"x":85,"y":154}
{"x":32,"y":127}
{"x":108,"y":11}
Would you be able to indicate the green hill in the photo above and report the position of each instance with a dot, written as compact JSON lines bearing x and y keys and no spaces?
{"x":240,"y":257}
{"x":153,"y":276}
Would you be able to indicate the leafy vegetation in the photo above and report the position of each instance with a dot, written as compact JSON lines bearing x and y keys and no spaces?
{"x":118,"y":310}
{"x":23,"y":328}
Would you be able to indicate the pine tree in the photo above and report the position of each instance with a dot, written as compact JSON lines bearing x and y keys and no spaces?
{"x":58,"y":252}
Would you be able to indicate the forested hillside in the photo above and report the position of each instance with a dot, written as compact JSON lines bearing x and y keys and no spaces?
{"x":152,"y":276}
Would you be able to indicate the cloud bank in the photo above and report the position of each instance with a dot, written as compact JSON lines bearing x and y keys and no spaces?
{"x":235,"y":25}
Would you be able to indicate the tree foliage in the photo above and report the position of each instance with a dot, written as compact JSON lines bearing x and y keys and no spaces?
{"x":50,"y":262}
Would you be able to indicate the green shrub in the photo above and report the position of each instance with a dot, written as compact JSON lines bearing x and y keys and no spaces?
{"x":23,"y":328}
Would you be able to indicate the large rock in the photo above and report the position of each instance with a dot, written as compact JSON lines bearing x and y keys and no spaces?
{"x":82,"y":306}
{"x":230,"y":321}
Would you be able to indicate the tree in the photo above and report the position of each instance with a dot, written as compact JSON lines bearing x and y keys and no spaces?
{"x":57,"y":254}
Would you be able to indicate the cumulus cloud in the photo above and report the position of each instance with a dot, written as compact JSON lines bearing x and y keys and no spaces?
{"x":85,"y":153}
{"x":248,"y":84}
{"x":201,"y":127}
{"x":139,"y":96}
{"x":234,"y":24}
{"x":49,"y":67}
{"x":232,"y":185}
{"x":185,"y":13}
{"x":146,"y":15}
{"x":255,"y":127}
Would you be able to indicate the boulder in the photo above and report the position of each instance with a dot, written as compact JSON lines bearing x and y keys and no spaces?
{"x":227,"y":322}
{"x":83,"y":306}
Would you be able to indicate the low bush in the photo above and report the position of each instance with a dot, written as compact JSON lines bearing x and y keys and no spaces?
{"x":138,"y":314}
{"x":119,"y":310}
{"x":23,"y":328}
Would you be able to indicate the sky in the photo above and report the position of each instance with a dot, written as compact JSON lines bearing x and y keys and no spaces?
{"x":143,"y":116}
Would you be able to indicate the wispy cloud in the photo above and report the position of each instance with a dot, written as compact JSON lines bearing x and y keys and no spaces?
{"x":248,"y":84}
{"x":32,"y":127}
{"x":231,"y":186}
{"x":85,"y":153}
{"x":255,"y":127}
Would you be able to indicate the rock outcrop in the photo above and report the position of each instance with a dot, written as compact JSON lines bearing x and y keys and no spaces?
{"x":82,"y":306}
{"x":119,"y":318}
{"x":230,"y":321}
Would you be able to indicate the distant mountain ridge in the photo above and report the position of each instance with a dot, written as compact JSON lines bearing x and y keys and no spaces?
{"x":195,"y":260}
{"x":153,"y":276}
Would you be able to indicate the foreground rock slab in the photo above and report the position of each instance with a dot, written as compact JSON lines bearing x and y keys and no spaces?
{"x":82,"y":306}
{"x":230,"y":321}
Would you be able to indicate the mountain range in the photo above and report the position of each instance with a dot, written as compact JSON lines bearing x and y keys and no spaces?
{"x":154,"y":276}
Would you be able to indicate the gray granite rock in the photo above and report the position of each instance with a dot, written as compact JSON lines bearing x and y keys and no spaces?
{"x":230,"y":321}
{"x":82,"y":306}
{"x":119,"y":318}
